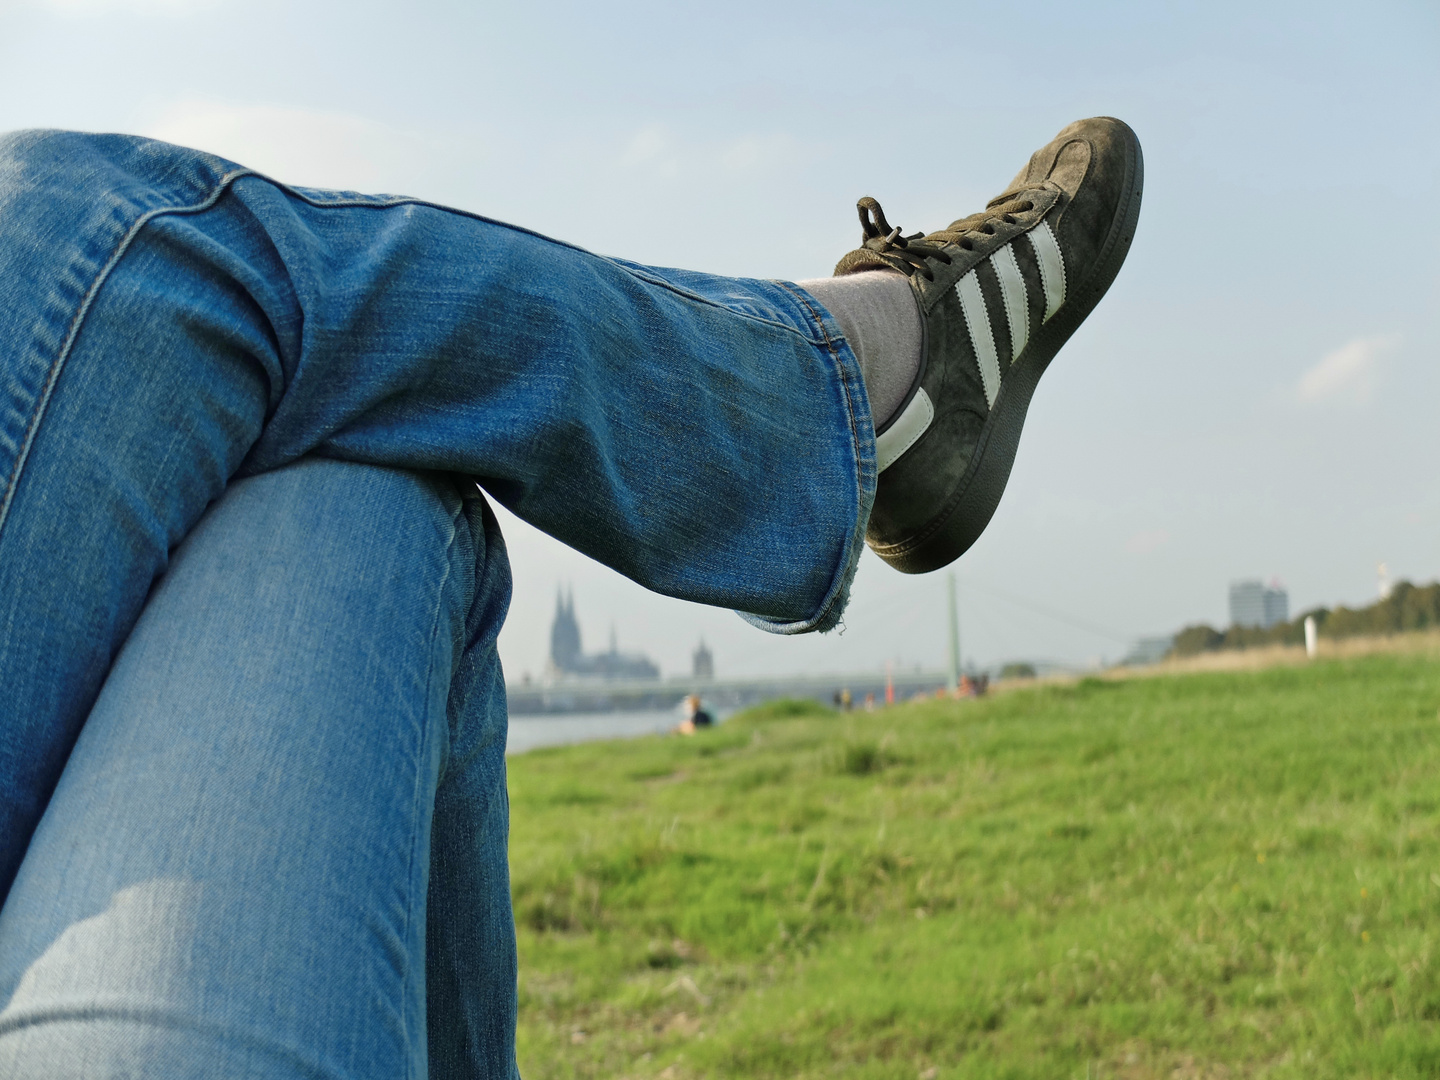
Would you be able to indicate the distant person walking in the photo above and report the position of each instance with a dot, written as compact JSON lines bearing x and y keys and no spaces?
{"x":253,"y":814}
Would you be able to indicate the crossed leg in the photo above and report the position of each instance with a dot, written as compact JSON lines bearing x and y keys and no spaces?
{"x":169,"y":322}
{"x":280,"y":841}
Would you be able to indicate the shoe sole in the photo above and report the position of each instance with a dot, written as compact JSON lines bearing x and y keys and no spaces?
{"x":950,"y":534}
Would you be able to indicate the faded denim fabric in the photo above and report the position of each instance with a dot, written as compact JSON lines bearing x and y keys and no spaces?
{"x":278,"y":848}
{"x":170,"y":321}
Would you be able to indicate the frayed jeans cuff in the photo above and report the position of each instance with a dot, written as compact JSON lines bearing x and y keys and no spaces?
{"x":853,"y":408}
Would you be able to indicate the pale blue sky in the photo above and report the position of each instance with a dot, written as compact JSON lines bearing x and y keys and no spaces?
{"x":1255,"y":397}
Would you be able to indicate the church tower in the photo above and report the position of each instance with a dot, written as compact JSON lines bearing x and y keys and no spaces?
{"x":702,"y":667}
{"x":565,"y":650}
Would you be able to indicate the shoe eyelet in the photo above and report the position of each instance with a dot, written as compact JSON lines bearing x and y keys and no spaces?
{"x":1009,"y":219}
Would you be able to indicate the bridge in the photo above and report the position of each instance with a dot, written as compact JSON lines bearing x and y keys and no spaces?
{"x":570,"y":696}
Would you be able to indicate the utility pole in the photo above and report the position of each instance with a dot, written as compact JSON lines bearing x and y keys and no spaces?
{"x":953,"y":682}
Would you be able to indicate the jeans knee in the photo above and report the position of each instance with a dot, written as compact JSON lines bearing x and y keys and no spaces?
{"x":47,"y":163}
{"x":58,"y":176}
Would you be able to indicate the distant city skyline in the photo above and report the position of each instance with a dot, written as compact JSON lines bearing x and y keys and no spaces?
{"x":568,"y":658}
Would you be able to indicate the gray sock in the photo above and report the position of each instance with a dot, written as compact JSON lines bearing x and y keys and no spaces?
{"x":877,"y":314}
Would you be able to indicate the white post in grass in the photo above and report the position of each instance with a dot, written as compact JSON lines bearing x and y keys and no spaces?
{"x":1312,"y":637}
{"x":953,"y":681}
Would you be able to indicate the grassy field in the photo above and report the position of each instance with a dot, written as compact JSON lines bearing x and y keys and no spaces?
{"x":1207,"y":875}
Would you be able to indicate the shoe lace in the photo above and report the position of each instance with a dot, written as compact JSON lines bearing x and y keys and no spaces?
{"x":911,"y":254}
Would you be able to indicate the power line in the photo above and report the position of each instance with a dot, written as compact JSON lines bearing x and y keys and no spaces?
{"x":1059,"y":616}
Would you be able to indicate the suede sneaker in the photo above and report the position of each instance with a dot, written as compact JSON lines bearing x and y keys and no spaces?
{"x":999,"y":292}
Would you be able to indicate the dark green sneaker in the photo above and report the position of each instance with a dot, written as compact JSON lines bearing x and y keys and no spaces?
{"x":999,"y":292}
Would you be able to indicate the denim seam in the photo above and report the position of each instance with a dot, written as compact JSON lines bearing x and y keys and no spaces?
{"x":696,"y":298}
{"x":444,"y":726}
{"x":838,"y":593}
{"x":52,"y":377}
{"x":386,"y":203}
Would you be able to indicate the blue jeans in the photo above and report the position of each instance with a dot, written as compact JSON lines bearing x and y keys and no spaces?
{"x":174,"y":329}
{"x":278,"y":847}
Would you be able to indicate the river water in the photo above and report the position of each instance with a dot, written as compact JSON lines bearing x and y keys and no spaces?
{"x":531,"y":732}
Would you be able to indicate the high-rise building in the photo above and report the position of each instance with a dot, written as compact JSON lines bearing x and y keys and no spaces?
{"x":1254,"y":604}
{"x":1277,"y":605}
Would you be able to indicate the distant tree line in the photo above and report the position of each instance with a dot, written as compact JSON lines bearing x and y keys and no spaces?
{"x":1408,"y":607}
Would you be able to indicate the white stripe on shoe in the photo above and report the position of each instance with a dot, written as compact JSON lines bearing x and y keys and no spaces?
{"x":1012,"y":290}
{"x":1052,"y":265}
{"x":972,"y":303}
{"x":913,"y":422}
{"x":915,"y":419}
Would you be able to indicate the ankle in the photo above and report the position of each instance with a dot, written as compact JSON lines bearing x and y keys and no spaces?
{"x":877,"y":313}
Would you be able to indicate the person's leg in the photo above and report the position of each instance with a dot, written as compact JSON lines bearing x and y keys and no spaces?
{"x":231,"y":879}
{"x":168,"y":322}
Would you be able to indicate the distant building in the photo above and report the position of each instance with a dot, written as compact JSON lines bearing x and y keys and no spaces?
{"x":703,"y":664}
{"x":1148,"y":650}
{"x":565,"y":650}
{"x":568,"y":659}
{"x":1277,"y":606}
{"x":1254,"y":604}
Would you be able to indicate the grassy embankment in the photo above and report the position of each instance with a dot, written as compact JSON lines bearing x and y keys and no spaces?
{"x":1218,"y":874}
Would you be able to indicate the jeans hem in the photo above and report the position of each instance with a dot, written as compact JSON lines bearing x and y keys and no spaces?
{"x":830,"y":343}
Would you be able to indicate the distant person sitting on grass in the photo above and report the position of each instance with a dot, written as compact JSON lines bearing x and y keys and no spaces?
{"x":695,"y":716}
{"x":241,"y":547}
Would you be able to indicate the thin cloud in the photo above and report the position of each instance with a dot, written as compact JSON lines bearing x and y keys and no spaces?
{"x":656,"y":151}
{"x":755,"y":152}
{"x":299,"y":146}
{"x":652,"y":149}
{"x":1348,"y":373}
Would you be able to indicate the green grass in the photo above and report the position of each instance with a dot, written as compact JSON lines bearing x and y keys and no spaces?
{"x":1215,"y":875}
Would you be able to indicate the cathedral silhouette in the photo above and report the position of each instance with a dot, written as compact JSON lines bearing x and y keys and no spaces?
{"x":567,"y":656}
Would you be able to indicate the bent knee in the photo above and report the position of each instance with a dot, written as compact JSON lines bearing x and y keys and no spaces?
{"x":58,"y":177}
